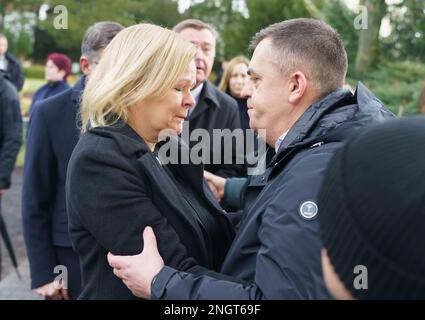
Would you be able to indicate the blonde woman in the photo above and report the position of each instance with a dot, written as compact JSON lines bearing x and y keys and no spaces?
{"x":116,"y":186}
{"x":234,"y":77}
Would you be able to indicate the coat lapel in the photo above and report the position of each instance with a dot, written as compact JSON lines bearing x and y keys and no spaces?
{"x":169,"y":192}
{"x":207,"y":99}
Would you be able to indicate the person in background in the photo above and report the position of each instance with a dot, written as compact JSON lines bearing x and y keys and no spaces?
{"x":222,"y":65}
{"x":10,"y":64}
{"x":56,"y":71}
{"x":372,"y":216}
{"x":233,"y":81}
{"x":214,"y":109}
{"x":52,"y":135}
{"x":10,"y":130}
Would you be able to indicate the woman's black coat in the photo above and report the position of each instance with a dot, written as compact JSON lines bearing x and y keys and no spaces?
{"x":115,"y":188}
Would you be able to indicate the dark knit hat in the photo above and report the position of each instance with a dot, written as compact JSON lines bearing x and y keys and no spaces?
{"x":372,"y":210}
{"x":62,"y":61}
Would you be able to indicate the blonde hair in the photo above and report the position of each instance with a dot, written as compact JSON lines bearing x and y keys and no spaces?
{"x":142,"y":61}
{"x":227,"y":74}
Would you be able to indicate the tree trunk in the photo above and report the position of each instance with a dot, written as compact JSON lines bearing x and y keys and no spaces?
{"x":368,"y":49}
{"x":422,"y":100}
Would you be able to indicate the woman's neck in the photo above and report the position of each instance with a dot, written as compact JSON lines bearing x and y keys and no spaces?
{"x":150,"y":138}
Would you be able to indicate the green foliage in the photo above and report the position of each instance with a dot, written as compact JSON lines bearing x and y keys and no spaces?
{"x":82,"y":14}
{"x":34,"y":71}
{"x":398,"y":84}
{"x":264,"y":13}
{"x":161,"y":12}
{"x":341,"y":19}
{"x":407,"y":39}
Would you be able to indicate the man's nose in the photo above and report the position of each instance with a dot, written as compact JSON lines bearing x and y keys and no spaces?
{"x":199,"y":53}
{"x":247,"y":89}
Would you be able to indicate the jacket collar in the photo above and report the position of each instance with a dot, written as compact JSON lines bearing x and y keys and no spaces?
{"x":333,"y":118}
{"x":77,"y":90}
{"x":307,"y":123}
{"x":207,"y":99}
{"x":128,"y":141}
{"x":11,"y":58}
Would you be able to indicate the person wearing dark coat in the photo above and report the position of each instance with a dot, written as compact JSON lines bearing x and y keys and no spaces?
{"x":117,"y":181}
{"x":277,"y":247}
{"x":214,"y":109}
{"x":53,"y":134}
{"x":10,"y":130}
{"x":57,"y":69}
{"x":10,"y":64}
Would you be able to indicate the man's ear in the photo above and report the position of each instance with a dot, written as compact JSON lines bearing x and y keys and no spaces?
{"x":298,"y":87}
{"x":84,"y":65}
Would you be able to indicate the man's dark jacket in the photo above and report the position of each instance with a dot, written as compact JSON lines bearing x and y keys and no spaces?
{"x":217,"y":110}
{"x":52,"y":135}
{"x":14,"y":70}
{"x":10,"y":129}
{"x":277,"y":246}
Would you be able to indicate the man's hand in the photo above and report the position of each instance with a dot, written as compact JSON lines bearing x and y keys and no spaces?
{"x":2,"y":192}
{"x":50,"y":291}
{"x":138,"y":271}
{"x":216,"y":184}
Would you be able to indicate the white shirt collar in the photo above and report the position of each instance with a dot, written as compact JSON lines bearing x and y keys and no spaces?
{"x":196,"y":93}
{"x":279,"y":141}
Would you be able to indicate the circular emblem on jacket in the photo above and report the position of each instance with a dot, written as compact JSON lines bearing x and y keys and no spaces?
{"x":308,"y":210}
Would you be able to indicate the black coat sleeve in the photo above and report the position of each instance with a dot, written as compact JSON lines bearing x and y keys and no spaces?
{"x":38,"y":194}
{"x":19,"y":78}
{"x":11,"y":135}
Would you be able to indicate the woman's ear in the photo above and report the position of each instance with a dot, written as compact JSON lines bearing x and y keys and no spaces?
{"x":298,"y":86}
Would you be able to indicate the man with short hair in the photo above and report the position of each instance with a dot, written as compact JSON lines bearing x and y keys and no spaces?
{"x":10,"y":64}
{"x":295,"y":92}
{"x":214,"y":109}
{"x":52,"y":135}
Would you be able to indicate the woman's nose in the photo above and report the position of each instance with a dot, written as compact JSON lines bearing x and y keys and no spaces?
{"x":189,"y":101}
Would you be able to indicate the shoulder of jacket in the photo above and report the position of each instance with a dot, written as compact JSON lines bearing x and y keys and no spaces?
{"x":221,"y":98}
{"x":56,"y":103}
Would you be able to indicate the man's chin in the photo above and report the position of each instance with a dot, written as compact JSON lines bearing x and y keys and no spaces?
{"x":200,"y":78}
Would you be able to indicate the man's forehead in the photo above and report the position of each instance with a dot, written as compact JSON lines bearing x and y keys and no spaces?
{"x":202,"y":36}
{"x":263,"y":57}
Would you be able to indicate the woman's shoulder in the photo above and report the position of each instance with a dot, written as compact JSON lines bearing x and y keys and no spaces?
{"x":92,"y":143}
{"x":108,"y":145}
